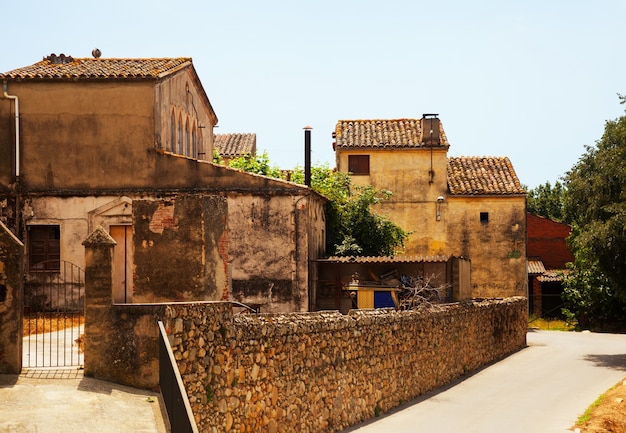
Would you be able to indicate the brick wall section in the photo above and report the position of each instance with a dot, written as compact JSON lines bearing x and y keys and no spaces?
{"x":322,"y":372}
{"x":547,"y":241}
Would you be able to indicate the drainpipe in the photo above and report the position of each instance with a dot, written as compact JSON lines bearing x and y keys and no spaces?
{"x":17,"y":155}
{"x":17,"y":129}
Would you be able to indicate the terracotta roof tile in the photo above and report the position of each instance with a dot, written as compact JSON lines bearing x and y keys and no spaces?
{"x":233,"y":145}
{"x":482,"y":176}
{"x":68,"y":68}
{"x":377,"y":133}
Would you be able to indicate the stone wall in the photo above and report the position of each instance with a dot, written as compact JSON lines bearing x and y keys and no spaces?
{"x":322,"y":372}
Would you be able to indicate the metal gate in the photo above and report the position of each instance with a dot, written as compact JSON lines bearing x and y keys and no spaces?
{"x":54,"y":314}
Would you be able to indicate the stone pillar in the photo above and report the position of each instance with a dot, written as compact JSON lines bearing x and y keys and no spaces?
{"x":11,"y":301}
{"x":98,"y":298}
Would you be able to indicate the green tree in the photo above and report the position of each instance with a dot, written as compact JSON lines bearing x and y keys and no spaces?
{"x":547,"y":201}
{"x":258,"y":164}
{"x":589,"y":298}
{"x":595,"y":203}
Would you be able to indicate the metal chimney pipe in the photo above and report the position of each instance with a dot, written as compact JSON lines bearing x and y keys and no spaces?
{"x":307,"y":155}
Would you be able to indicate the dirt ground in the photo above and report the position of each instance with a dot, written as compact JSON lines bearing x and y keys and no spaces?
{"x":609,"y":416}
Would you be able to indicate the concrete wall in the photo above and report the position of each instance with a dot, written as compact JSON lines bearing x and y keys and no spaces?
{"x":11,"y":302}
{"x":322,"y":372}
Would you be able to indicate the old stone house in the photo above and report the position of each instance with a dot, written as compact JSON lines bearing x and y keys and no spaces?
{"x":126,"y":144}
{"x":471,"y":207}
{"x":548,"y":255}
{"x":234,"y":145}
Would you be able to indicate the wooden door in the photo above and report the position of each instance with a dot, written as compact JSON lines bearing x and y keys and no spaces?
{"x":122,"y":264}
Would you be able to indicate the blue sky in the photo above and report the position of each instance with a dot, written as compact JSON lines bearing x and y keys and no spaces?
{"x":532,"y":80}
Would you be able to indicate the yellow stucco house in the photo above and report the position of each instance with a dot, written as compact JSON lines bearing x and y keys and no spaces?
{"x":473,"y":207}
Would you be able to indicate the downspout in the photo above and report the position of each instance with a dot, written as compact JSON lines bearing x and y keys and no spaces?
{"x":17,"y":129}
{"x":17,"y":154}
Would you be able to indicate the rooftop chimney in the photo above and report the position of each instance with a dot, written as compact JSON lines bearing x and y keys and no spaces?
{"x":307,"y":155}
{"x":430,"y":130}
{"x":61,"y":59}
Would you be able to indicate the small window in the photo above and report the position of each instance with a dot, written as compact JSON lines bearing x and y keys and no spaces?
{"x":194,"y":144}
{"x":172,"y":146}
{"x":359,"y":164}
{"x":484,"y":217}
{"x":179,"y":137}
{"x":187,"y":140}
{"x":44,"y":248}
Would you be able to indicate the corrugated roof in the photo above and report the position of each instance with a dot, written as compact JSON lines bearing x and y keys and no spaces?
{"x":554,"y":275}
{"x":484,"y":175}
{"x":535,"y":267}
{"x":385,"y":259}
{"x":380,"y":133}
{"x":69,"y":68}
{"x":232,"y":145}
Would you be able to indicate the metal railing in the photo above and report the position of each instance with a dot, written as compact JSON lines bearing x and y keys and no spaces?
{"x":172,"y":388}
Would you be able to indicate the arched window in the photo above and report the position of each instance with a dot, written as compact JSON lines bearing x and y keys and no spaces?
{"x":179,"y":137}
{"x":194,"y":144}
{"x":172,"y":144}
{"x":200,"y":149}
{"x":187,"y":140}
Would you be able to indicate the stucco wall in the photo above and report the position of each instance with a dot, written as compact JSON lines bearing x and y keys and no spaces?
{"x":404,"y":172}
{"x":271,"y":239}
{"x":78,"y":134}
{"x":180,"y":248}
{"x":322,"y":372}
{"x":497,"y":248}
{"x":11,"y":302}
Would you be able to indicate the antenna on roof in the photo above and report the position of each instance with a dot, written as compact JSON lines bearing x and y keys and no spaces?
{"x":96,"y":53}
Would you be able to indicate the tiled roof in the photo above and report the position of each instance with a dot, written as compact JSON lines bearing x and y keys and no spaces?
{"x":372,"y":134}
{"x":482,"y":176}
{"x":233,"y":145}
{"x":68,"y":68}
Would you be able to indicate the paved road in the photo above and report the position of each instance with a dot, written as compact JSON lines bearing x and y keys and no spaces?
{"x":542,"y":388}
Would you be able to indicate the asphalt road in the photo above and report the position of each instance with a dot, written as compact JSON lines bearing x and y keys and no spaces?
{"x":542,"y":388}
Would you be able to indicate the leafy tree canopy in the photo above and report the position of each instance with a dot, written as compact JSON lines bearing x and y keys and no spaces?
{"x":595,"y":202}
{"x":547,"y":201}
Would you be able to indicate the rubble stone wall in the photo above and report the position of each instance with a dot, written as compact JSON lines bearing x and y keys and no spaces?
{"x":324,"y":371}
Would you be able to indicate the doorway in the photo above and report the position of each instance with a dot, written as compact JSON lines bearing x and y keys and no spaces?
{"x":122,"y":263}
